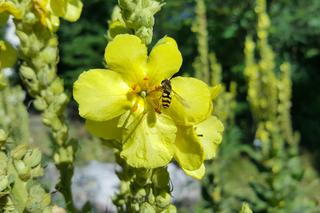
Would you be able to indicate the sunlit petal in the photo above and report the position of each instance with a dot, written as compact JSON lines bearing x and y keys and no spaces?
{"x":147,"y":143}
{"x":210,"y":134}
{"x":104,"y":129}
{"x":191,"y":101}
{"x":164,"y":60}
{"x":101,"y":95}
{"x":127,"y":55}
{"x":198,"y":173}
{"x":188,"y":150}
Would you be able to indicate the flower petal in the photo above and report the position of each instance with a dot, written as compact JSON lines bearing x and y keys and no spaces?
{"x":198,"y":173}
{"x":107,"y":130}
{"x":127,"y":55}
{"x":58,"y":7}
{"x":149,"y":145}
{"x":210,"y":134}
{"x":73,"y":10}
{"x":164,"y":61}
{"x":188,"y":150}
{"x":101,"y":95}
{"x":11,"y":9}
{"x":191,"y":101}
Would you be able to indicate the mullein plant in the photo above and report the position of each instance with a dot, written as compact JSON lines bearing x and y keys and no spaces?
{"x":20,"y":165}
{"x":269,"y":98}
{"x":36,"y":23}
{"x":148,"y":117}
{"x":215,"y":187}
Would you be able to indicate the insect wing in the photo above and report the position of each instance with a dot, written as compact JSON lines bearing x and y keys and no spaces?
{"x":180,"y":99}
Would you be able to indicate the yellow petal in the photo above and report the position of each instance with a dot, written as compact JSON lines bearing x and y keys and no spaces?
{"x":149,"y":144}
{"x":104,"y":129}
{"x":73,"y":10}
{"x":8,"y":55}
{"x":188,"y":150}
{"x":210,"y":134}
{"x":101,"y":95}
{"x":164,"y":61}
{"x":58,"y":7}
{"x":198,"y":173}
{"x":11,"y":9}
{"x":127,"y":55}
{"x":191,"y":101}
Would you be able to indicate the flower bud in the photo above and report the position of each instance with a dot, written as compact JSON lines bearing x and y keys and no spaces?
{"x":22,"y":170}
{"x":39,"y":103}
{"x":32,"y":158}
{"x":163,"y":199}
{"x":19,"y":152}
{"x":147,"y":208}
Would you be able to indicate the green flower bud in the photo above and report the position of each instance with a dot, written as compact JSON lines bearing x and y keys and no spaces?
{"x":30,"y":78}
{"x":163,"y":199}
{"x":19,"y":152}
{"x":32,"y":158}
{"x":36,"y":171}
{"x":30,"y":18}
{"x":147,"y":208}
{"x":171,"y":209}
{"x":141,"y":193}
{"x":39,"y":103}
{"x":245,"y":208}
{"x":135,"y":207}
{"x":22,"y":170}
{"x":38,"y":199}
{"x":57,"y":86}
{"x":145,"y":34}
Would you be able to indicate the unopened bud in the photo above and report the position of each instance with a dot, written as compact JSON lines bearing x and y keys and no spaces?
{"x":19,"y":152}
{"x":147,"y":208}
{"x":32,"y":158}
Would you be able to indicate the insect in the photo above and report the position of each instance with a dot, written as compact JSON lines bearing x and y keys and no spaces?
{"x":166,"y":96}
{"x":166,"y":93}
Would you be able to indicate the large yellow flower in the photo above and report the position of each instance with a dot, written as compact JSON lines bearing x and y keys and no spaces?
{"x":124,"y":103}
{"x":49,"y":11}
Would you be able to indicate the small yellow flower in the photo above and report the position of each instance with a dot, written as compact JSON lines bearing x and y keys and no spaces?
{"x":49,"y":11}
{"x":9,"y":8}
{"x":124,"y":103}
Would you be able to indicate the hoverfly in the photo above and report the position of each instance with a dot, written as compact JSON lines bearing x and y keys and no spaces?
{"x":166,"y":98}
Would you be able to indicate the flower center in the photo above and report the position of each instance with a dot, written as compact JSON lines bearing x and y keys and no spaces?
{"x":145,"y":96}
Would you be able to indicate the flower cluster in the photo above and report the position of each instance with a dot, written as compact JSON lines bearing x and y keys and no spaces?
{"x":47,"y":12}
{"x":127,"y":103}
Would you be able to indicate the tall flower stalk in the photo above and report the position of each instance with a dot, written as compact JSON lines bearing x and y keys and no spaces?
{"x":269,"y":99}
{"x":36,"y":22}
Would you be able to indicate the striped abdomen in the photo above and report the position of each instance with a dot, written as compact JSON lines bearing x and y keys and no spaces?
{"x":166,"y":99}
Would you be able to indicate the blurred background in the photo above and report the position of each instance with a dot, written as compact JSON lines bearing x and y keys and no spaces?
{"x":294,"y":37}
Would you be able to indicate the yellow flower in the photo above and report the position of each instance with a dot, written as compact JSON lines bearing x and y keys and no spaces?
{"x":49,"y":11}
{"x":124,"y":103}
{"x":7,"y":7}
